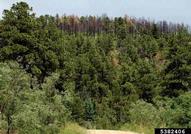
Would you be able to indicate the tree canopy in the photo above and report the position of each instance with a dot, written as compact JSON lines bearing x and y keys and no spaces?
{"x":97,"y":71}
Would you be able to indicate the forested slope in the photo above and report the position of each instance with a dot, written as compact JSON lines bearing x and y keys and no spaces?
{"x":99,"y":72}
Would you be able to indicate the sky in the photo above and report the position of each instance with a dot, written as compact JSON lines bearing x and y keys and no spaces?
{"x":176,"y":11}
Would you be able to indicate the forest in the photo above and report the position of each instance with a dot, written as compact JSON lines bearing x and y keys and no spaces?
{"x":61,"y":72}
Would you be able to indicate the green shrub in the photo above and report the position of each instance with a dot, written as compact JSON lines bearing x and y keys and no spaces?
{"x":28,"y":110}
{"x":175,"y":112}
{"x":144,"y":114}
{"x":144,"y":117}
{"x":165,"y":112}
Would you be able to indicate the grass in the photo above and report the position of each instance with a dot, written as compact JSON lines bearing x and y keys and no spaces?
{"x":138,"y":128}
{"x":73,"y":128}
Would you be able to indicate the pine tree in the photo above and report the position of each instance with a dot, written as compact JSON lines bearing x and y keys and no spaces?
{"x":28,"y":41}
{"x":178,"y":71}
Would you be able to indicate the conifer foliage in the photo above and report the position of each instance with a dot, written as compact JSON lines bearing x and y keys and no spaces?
{"x":96,"y":71}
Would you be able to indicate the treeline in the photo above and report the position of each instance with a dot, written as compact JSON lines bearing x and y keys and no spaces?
{"x":92,"y":25}
{"x":51,"y":74}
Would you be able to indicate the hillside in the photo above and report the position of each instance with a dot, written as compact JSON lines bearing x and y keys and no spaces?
{"x":98,"y":72}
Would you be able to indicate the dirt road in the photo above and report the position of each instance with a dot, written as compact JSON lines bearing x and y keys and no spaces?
{"x":109,"y":132}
